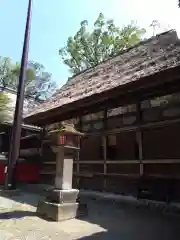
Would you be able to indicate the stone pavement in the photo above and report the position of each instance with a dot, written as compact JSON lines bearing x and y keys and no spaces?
{"x":18,"y":220}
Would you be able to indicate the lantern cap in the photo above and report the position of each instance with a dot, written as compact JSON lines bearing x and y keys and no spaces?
{"x":67,"y":129}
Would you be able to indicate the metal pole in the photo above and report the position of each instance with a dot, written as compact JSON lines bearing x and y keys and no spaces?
{"x":16,"y":128}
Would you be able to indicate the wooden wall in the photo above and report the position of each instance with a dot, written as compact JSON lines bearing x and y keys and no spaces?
{"x":136,"y":142}
{"x":132,"y":150}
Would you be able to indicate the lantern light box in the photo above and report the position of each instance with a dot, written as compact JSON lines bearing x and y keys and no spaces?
{"x":69,"y":140}
{"x":66,"y":136}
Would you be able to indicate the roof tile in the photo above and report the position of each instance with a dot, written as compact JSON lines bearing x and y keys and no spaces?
{"x":148,"y":57}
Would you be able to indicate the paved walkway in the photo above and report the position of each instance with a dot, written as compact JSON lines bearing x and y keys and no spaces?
{"x":18,"y":220}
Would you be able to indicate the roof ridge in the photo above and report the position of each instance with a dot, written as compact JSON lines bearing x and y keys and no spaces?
{"x":122,"y":52}
{"x":143,"y":59}
{"x":68,"y":83}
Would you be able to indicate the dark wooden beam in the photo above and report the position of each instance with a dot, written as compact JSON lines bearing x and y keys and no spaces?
{"x":134,"y":128}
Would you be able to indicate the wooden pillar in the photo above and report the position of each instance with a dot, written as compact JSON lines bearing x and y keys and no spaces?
{"x":13,"y":154}
{"x":1,"y":142}
{"x":139,"y":137}
{"x":104,"y":141}
{"x":42,"y":136}
{"x":78,"y":155}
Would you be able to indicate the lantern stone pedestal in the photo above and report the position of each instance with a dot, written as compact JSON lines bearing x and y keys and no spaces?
{"x":61,"y":201}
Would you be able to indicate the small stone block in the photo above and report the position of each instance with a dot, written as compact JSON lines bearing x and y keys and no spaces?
{"x":59,"y":212}
{"x":62,"y":196}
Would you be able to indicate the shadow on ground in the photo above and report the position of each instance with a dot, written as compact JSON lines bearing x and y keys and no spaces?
{"x":113,"y":221}
{"x":23,"y":195}
{"x":124,"y":222}
{"x":24,"y":198}
{"x":16,"y":215}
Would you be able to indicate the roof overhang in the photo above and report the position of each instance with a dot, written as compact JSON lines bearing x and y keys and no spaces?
{"x":149,"y":86}
{"x":6,"y":125}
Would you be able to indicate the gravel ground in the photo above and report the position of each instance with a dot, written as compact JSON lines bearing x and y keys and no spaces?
{"x":18,"y":220}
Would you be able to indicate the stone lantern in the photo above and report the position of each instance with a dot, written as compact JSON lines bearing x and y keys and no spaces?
{"x":61,"y":201}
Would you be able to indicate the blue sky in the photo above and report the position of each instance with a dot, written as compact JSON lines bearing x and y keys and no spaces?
{"x":53,"y":21}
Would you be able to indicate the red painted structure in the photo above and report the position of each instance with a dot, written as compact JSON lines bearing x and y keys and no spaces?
{"x":26,"y":172}
{"x":29,"y":164}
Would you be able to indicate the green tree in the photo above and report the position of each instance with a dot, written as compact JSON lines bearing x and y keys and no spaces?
{"x":38,"y":82}
{"x":87,"y":49}
{"x":4,"y":107}
{"x":5,"y":71}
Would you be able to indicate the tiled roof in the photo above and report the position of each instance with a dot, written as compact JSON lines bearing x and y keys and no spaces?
{"x":148,"y":57}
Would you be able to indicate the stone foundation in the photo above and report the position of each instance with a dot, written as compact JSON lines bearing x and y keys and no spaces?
{"x":57,"y":212}
{"x":62,"y":196}
{"x":60,"y":205}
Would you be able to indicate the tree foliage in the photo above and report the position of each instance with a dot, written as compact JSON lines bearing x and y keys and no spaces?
{"x":4,"y":107}
{"x":87,"y":49}
{"x":38,"y":82}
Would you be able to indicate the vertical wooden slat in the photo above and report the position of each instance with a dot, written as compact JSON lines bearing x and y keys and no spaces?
{"x":104,"y":140}
{"x":139,"y":138}
{"x":41,"y":151}
{"x":78,"y":155}
{"x":42,"y":135}
{"x":139,"y":141}
{"x":1,"y":141}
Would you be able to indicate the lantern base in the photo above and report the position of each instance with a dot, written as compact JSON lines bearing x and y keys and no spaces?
{"x":61,"y":212}
{"x":62,"y":196}
{"x":60,"y":205}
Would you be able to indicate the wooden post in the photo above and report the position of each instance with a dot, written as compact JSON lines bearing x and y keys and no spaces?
{"x":42,"y":135}
{"x":104,"y":141}
{"x":78,"y":155}
{"x":139,"y":138}
{"x":10,"y":181}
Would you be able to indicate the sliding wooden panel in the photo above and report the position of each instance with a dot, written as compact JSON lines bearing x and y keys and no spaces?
{"x":122,"y":184}
{"x":91,"y":148}
{"x":94,"y":182}
{"x":162,"y":143}
{"x":122,"y":146}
